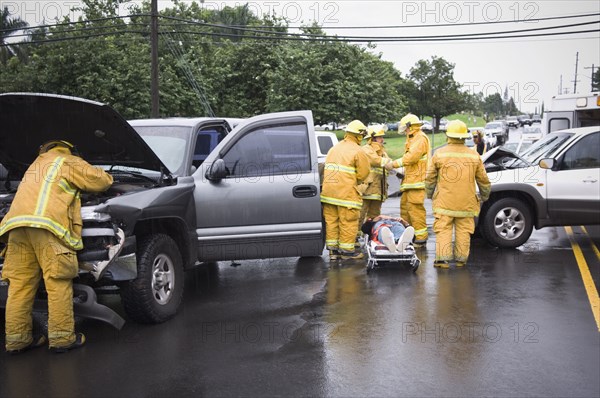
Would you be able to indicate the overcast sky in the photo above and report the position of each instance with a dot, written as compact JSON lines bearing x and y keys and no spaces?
{"x":531,"y":68}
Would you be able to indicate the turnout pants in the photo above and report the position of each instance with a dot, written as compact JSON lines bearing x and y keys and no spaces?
{"x":33,"y":253}
{"x":340,"y":225}
{"x":412,"y":210}
{"x":463,"y":228}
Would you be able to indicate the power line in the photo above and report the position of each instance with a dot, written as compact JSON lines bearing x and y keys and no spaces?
{"x":374,"y":38}
{"x":269,"y":27}
{"x":304,"y":39}
{"x":353,"y":39}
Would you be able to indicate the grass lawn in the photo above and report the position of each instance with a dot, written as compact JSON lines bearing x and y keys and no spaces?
{"x":394,"y":143}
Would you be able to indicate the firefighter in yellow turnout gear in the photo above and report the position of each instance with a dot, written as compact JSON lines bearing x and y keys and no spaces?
{"x":376,"y":185}
{"x":415,"y":159}
{"x":346,"y":166}
{"x":44,"y":231}
{"x":451,"y":179}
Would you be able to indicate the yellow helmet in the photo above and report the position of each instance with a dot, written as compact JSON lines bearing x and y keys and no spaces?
{"x":377,"y":130}
{"x":407,"y":121}
{"x":45,"y":147}
{"x":356,"y":127}
{"x":457,"y":129}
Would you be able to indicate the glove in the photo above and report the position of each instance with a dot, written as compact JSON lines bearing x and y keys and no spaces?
{"x":389,"y":165}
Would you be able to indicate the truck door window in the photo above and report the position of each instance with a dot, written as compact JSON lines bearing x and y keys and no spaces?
{"x":559,"y":124}
{"x":585,"y":154}
{"x":270,"y":150}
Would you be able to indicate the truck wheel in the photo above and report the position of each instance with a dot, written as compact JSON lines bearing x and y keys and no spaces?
{"x":507,"y":223}
{"x":154,"y":296}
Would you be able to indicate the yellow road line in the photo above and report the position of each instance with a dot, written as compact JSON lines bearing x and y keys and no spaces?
{"x":596,"y":251}
{"x":588,"y":282}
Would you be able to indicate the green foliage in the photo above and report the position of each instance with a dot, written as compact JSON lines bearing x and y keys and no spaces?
{"x":8,"y":26}
{"x":224,"y":67}
{"x":435,"y":91}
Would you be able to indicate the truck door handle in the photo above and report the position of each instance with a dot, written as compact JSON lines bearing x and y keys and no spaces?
{"x":305,"y":191}
{"x":590,"y":179}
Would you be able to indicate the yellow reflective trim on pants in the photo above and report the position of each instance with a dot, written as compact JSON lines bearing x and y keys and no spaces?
{"x":420,"y":231}
{"x":339,"y":167}
{"x":340,"y":202}
{"x":373,"y":197}
{"x":416,"y":185}
{"x":347,"y":246}
{"x":455,"y":213}
{"x":49,"y":178}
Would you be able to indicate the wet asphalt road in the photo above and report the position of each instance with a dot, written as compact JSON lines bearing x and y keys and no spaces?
{"x":513,"y":323}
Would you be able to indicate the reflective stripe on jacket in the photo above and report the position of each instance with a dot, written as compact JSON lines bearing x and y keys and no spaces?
{"x":415,"y":159}
{"x":48,"y":195}
{"x":451,"y":179}
{"x":346,"y":166}
{"x":377,"y":181}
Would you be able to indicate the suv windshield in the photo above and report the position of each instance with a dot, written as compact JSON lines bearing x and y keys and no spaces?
{"x":545,"y":147}
{"x":168,"y":142}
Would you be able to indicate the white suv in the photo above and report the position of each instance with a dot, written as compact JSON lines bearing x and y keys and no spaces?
{"x":555,"y":182}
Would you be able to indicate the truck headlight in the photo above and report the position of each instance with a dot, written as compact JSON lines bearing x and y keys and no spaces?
{"x":90,"y":214}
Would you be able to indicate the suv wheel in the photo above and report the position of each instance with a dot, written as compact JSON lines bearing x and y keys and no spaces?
{"x":155,"y":295}
{"x":507,"y":223}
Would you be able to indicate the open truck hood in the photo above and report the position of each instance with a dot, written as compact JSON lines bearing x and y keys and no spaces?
{"x":101,"y":135}
{"x":498,"y":153}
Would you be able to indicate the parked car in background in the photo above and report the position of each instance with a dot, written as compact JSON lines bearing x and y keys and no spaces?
{"x":524,"y":120}
{"x":532,"y":133}
{"x":392,"y":126}
{"x":512,"y":122}
{"x":505,"y":127}
{"x":536,"y":119}
{"x":469,"y":142}
{"x":553,"y":183}
{"x":495,"y":129}
{"x":427,"y":126}
{"x":443,"y":123}
{"x":327,"y":126}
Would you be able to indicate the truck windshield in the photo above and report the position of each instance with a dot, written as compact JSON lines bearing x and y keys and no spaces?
{"x":168,"y":142}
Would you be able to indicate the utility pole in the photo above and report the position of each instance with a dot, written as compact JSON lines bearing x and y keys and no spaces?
{"x":592,"y":68}
{"x":560,"y":90}
{"x":575,"y":81}
{"x":154,"y":93}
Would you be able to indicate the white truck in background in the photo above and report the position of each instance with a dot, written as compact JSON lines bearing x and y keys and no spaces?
{"x":572,"y":110}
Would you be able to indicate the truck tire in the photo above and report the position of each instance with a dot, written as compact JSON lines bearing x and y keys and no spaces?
{"x":507,"y":223}
{"x":154,"y":296}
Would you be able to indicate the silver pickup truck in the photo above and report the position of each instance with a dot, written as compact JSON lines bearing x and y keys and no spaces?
{"x":186,"y":191}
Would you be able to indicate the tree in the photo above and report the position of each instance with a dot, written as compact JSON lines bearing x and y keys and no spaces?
{"x":436,"y":92}
{"x":493,"y":106}
{"x":9,"y":26}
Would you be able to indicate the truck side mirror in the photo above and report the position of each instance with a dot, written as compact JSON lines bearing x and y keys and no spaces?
{"x":547,"y":163}
{"x":217,"y":171}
